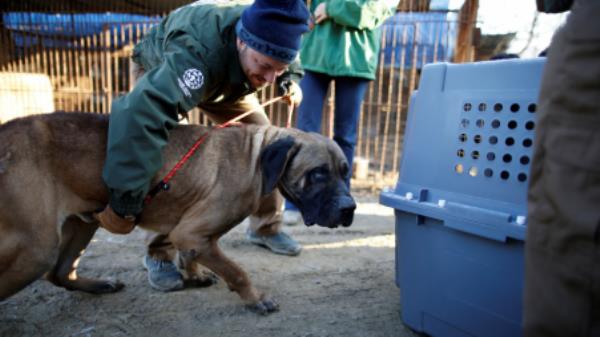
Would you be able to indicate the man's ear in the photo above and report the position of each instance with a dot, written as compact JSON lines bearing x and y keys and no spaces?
{"x":239,"y":43}
{"x":273,"y":160}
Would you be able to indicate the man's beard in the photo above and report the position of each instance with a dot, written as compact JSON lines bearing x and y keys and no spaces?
{"x":243,"y":51}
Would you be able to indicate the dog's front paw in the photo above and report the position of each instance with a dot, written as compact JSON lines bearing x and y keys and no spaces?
{"x":107,"y":287}
{"x":91,"y":285}
{"x":264,"y":306}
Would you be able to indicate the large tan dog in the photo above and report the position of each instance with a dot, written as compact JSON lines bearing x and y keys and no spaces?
{"x":50,"y":182}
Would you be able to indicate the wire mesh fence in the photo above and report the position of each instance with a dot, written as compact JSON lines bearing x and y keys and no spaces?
{"x":85,"y":57}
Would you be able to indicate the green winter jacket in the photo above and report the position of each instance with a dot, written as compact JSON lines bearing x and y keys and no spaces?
{"x":190,"y":58}
{"x":200,"y":37}
{"x":347,"y":43}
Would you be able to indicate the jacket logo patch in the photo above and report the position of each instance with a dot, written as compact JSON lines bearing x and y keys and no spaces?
{"x":193,"y":78}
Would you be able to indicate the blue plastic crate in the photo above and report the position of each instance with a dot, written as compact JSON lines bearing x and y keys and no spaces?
{"x":460,"y":199}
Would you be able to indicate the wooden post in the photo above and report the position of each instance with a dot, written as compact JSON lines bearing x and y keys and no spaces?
{"x":89,"y":70}
{"x":465,"y":50}
{"x":400,"y":100}
{"x":108,"y":66}
{"x":390,"y":91}
{"x":78,"y":52}
{"x":413,"y":5}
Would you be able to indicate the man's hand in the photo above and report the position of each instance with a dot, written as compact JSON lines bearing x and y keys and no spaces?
{"x":291,"y":92}
{"x":113,"y":222}
{"x":321,"y":13}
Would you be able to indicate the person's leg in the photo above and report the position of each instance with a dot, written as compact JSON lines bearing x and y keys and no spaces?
{"x":314,"y":90}
{"x":349,"y":94}
{"x":265,"y":224}
{"x":562,"y":250}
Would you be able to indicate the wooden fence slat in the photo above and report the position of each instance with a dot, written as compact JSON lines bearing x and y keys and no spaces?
{"x":395,"y":159}
{"x":388,"y":105}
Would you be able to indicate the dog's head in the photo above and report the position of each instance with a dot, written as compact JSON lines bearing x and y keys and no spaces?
{"x":310,"y":171}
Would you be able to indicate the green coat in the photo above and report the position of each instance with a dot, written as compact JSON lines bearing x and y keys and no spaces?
{"x":190,"y":58}
{"x":348,"y":42}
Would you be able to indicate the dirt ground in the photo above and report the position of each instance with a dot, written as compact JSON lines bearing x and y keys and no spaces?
{"x":341,"y":285}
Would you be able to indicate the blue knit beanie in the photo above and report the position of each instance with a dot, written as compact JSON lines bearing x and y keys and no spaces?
{"x":274,"y":27}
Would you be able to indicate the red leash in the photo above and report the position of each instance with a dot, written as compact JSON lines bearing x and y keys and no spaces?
{"x":163,"y":185}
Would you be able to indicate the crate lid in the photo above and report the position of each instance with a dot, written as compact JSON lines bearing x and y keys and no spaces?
{"x":469,"y":141}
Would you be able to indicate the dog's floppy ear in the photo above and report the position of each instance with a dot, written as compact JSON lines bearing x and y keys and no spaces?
{"x":273,"y":159}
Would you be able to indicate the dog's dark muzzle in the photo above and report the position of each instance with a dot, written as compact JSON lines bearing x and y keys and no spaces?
{"x":341,"y":214}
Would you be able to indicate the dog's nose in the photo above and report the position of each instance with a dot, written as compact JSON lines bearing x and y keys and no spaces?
{"x":346,"y":203}
{"x":347,"y":217}
{"x":347,"y":207}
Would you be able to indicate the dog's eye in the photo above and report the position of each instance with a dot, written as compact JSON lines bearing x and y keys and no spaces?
{"x":318,"y":175}
{"x":344,"y":170}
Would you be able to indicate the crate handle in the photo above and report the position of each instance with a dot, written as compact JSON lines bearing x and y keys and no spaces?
{"x":476,"y":229}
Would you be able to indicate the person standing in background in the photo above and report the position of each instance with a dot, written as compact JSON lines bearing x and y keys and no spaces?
{"x":343,"y":48}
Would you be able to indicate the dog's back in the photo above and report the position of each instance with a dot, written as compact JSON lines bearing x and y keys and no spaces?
{"x":62,"y":149}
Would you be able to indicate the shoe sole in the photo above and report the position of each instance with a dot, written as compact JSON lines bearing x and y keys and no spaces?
{"x":162,"y":289}
{"x":261,"y":243}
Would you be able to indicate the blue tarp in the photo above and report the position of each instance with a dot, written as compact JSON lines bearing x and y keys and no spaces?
{"x":428,"y":36}
{"x":62,"y":30}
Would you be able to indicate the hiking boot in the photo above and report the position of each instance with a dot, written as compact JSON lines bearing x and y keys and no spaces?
{"x":279,"y":243}
{"x":163,"y":275}
{"x":114,"y":223}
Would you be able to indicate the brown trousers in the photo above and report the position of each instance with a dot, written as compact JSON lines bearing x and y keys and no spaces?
{"x":267,"y":220}
{"x":562,"y":262}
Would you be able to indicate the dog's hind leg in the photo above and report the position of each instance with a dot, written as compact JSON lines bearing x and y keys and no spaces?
{"x":21,"y":262}
{"x":76,"y":235}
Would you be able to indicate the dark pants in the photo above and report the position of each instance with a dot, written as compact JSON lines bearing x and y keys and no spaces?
{"x":349,"y":93}
{"x":562,"y":262}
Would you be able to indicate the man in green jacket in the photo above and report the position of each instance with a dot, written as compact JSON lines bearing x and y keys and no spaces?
{"x":210,"y":54}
